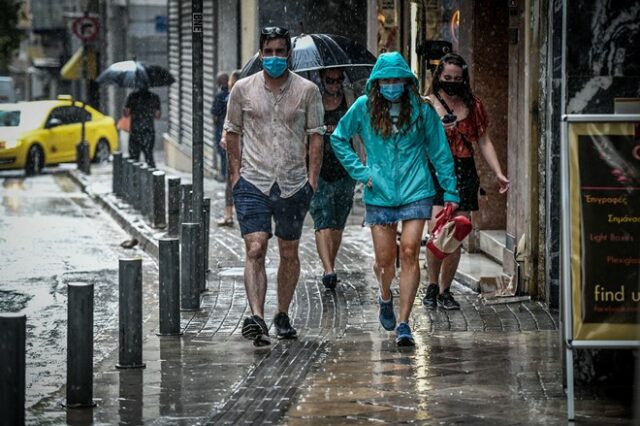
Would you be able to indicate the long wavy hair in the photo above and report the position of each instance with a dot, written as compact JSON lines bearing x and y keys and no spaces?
{"x":379,"y":108}
{"x":451,"y":58}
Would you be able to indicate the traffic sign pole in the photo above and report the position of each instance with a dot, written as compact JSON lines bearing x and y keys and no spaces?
{"x":85,"y":27}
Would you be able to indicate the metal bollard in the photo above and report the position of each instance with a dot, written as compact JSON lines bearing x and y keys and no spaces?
{"x":148,"y":195}
{"x":143,"y":178}
{"x":130,"y":313}
{"x":186,"y":203}
{"x":129,"y":182}
{"x":12,"y":367}
{"x":116,"y":178}
{"x":80,"y":345}
{"x":189,"y":271}
{"x":158,"y":209}
{"x":169,"y":249}
{"x":82,"y":157}
{"x":137,"y":186}
{"x":207,"y":228}
{"x":173,"y":206}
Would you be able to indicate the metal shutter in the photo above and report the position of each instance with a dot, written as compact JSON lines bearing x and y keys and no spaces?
{"x":174,"y":67}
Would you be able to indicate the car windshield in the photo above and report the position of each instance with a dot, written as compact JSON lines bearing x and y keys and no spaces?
{"x":15,"y":116}
{"x":9,"y":118}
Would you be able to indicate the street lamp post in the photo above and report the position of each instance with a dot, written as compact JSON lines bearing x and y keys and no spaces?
{"x":197,"y":142}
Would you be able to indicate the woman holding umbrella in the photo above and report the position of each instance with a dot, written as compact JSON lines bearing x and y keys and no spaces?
{"x":141,"y":105}
{"x":398,"y":130}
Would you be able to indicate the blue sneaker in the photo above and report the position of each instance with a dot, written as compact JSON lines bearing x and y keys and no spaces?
{"x":387,"y":317}
{"x":403,"y":335}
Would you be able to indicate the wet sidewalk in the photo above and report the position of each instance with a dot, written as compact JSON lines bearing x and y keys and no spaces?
{"x":484,"y":364}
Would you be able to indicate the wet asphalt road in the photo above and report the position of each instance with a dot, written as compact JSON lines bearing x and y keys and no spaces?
{"x":52,"y":234}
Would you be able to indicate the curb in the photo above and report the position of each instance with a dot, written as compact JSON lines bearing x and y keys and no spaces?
{"x":149,"y":245}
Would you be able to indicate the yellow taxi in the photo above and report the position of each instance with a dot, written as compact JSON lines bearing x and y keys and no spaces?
{"x":41,"y":133}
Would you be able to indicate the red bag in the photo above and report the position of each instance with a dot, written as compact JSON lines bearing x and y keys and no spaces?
{"x":448,"y":233}
{"x":124,"y":123}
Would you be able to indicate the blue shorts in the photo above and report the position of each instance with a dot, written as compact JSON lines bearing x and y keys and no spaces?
{"x":379,"y":215}
{"x":255,"y":210}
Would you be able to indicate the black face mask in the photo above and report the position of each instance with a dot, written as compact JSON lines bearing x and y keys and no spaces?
{"x":452,"y":88}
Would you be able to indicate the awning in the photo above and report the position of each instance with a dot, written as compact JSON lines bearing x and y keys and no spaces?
{"x":72,"y":70}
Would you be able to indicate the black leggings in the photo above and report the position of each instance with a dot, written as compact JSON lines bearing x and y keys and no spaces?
{"x":142,"y":142}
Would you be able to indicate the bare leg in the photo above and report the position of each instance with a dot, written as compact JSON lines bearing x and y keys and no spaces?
{"x":433,"y":263}
{"x":255,"y":275}
{"x":323,"y":244}
{"x":228,"y":212}
{"x":448,"y":271}
{"x":410,"y":270}
{"x":384,"y":245}
{"x":336,"y":240}
{"x":288,"y":273}
{"x":328,"y":242}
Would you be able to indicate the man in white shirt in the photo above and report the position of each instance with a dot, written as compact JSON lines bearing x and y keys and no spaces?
{"x":278,"y":115}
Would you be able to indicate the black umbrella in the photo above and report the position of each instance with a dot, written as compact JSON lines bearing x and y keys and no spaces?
{"x":312,"y":52}
{"x":136,"y":75}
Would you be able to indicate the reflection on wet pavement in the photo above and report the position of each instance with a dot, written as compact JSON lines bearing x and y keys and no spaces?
{"x":481,"y":365}
{"x":50,"y":235}
{"x":462,"y":378}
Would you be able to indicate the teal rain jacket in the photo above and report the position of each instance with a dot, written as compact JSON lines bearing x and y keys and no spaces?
{"x":398,"y":165}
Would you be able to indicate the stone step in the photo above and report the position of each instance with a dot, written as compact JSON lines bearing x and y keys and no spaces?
{"x":492,"y":243}
{"x":474,"y":266}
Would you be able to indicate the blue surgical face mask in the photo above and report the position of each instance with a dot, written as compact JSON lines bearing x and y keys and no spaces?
{"x":275,"y":66}
{"x":392,"y":92}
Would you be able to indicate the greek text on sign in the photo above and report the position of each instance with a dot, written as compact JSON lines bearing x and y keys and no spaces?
{"x":197,"y":23}
{"x":85,"y":28}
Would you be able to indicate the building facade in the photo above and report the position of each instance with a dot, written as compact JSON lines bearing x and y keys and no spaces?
{"x":522,"y":68}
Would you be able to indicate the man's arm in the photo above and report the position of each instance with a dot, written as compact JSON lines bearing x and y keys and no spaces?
{"x":316,"y":142}
{"x":233,"y":153}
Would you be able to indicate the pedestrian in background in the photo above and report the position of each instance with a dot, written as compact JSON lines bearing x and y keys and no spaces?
{"x":227,"y":219}
{"x":219,"y":112}
{"x":142,"y":106}
{"x":465,"y":121}
{"x":398,"y":131}
{"x":332,"y":202}
{"x":279,"y":115}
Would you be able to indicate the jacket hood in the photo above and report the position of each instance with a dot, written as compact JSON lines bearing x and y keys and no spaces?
{"x":390,"y":65}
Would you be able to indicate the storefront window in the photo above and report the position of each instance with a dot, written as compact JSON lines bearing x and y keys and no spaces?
{"x":441,"y":24}
{"x":443,"y":21}
{"x":388,"y":26}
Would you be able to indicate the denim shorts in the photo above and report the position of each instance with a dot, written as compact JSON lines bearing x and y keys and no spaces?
{"x":255,"y":210}
{"x":331,"y":204}
{"x":379,"y":215}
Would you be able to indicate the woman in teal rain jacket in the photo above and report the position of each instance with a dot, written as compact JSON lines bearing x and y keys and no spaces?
{"x":400,"y":132}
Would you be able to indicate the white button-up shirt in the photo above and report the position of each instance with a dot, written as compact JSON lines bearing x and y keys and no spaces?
{"x":274,"y":129}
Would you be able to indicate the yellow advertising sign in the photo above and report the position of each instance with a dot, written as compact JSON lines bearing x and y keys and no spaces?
{"x":604,"y":190}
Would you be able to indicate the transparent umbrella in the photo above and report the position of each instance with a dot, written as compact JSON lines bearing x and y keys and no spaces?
{"x":136,"y":75}
{"x":313,"y":52}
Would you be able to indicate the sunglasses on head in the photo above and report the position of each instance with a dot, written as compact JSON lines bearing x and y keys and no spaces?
{"x":275,"y":31}
{"x":330,"y":80}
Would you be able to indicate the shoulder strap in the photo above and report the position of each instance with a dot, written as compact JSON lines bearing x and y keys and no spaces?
{"x":444,"y":104}
{"x":449,"y":111}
